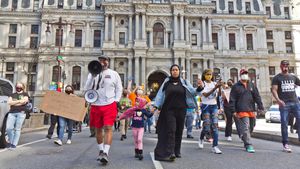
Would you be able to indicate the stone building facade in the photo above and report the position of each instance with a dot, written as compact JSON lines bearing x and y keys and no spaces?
{"x":144,"y":37}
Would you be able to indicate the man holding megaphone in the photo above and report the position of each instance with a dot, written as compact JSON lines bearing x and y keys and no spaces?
{"x":106,"y":83}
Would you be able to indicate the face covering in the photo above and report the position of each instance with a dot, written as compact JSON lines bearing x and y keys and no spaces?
{"x":229,"y":84}
{"x":139,"y":92}
{"x":244,"y":77}
{"x":208,"y":77}
{"x":19,"y":89}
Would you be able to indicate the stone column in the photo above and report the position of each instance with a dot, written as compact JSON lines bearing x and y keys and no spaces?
{"x":143,"y":26}
{"x":204,"y":64}
{"x":241,"y":44}
{"x":19,"y":32}
{"x":175,"y":28}
{"x":87,"y":35}
{"x":176,"y":61}
{"x":210,"y":63}
{"x":224,"y":38}
{"x":182,"y":64}
{"x":209,"y":31}
{"x":187,"y":32}
{"x":137,"y":26}
{"x":129,"y":67}
{"x":68,"y":36}
{"x":166,"y":39}
{"x":137,"y":70}
{"x":113,"y":27}
{"x":188,"y":69}
{"x":112,"y":63}
{"x":181,"y":28}
{"x":130,"y":29}
{"x":106,"y":28}
{"x":40,"y":76}
{"x":203,"y":30}
{"x":143,"y":68}
{"x":151,"y":39}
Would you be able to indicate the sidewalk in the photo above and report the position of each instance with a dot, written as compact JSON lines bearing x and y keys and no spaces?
{"x":29,"y":130}
{"x":266,"y":131}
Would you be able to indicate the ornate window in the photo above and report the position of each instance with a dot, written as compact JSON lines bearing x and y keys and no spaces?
{"x":158,"y":34}
{"x":55,"y":73}
{"x":25,"y":3}
{"x":270,"y":47}
{"x":122,"y":38}
{"x":232,"y":41}
{"x":4,"y":3}
{"x":272,"y":70}
{"x":252,"y":76}
{"x":60,"y":4}
{"x":97,"y":38}
{"x":286,"y":13}
{"x":215,"y":40}
{"x":288,"y":34}
{"x":248,"y":8}
{"x":249,"y":39}
{"x":76,"y":77}
{"x":289,"y":47}
{"x":59,"y":37}
{"x":32,"y":69}
{"x":78,"y":38}
{"x":234,"y":74}
{"x":269,"y":34}
{"x":194,"y":39}
{"x":230,"y":7}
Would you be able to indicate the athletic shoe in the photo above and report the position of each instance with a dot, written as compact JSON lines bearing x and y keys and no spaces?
{"x":58,"y":142}
{"x":189,"y":136}
{"x":216,"y":150}
{"x":69,"y":141}
{"x":100,"y":155}
{"x":286,"y":148}
{"x":250,"y":149}
{"x":104,"y":159}
{"x":229,"y":138}
{"x":200,"y":144}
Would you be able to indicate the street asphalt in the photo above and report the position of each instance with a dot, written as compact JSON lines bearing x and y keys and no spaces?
{"x":37,"y":152}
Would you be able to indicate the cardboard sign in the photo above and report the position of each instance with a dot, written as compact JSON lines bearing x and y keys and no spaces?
{"x":61,"y":104}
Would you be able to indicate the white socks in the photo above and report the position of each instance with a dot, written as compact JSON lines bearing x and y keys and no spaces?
{"x":106,"y":148}
{"x":101,"y":146}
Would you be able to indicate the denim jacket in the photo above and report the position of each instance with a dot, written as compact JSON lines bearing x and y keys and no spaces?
{"x":190,"y":93}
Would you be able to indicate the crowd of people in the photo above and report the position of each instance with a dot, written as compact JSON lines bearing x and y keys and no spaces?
{"x":177,"y":104}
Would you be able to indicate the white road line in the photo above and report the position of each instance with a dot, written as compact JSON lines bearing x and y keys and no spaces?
{"x":157,"y":164}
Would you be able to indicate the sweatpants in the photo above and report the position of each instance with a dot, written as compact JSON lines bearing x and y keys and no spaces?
{"x":138,"y":134}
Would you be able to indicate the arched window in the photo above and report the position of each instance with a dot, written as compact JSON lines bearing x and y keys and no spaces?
{"x":158,"y":35}
{"x":4,"y":3}
{"x":234,"y":74}
{"x":55,"y":73}
{"x":217,"y":73}
{"x":252,"y":75}
{"x":76,"y":76}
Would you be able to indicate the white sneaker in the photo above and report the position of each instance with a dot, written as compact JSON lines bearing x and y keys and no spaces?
{"x":69,"y":141}
{"x":229,"y":138}
{"x":216,"y":150}
{"x":201,"y":144}
{"x":286,"y":148}
{"x":58,"y":142}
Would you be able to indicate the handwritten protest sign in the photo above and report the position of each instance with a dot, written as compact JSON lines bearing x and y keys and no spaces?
{"x":61,"y":104}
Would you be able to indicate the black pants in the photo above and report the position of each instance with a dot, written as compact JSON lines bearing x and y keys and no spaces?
{"x":229,"y":122}
{"x":53,"y":121}
{"x":169,"y":129}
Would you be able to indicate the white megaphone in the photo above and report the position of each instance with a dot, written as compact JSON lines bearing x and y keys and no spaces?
{"x":91,"y":96}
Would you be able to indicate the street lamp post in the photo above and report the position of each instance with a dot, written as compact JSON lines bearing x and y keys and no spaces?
{"x":60,"y":24}
{"x":3,"y":59}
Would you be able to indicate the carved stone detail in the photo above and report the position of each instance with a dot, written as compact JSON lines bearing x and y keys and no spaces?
{"x":159,"y":9}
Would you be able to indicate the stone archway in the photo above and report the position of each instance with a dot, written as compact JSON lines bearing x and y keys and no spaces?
{"x":155,"y":80}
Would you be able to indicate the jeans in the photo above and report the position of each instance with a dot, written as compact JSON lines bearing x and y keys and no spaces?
{"x":148,"y":123}
{"x":289,"y":107}
{"x":53,"y":121}
{"x":13,"y":126}
{"x":189,"y":118}
{"x":62,"y":124}
{"x":210,"y":120}
{"x":244,"y":130}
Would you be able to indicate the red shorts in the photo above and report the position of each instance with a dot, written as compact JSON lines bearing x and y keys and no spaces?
{"x":103,"y":115}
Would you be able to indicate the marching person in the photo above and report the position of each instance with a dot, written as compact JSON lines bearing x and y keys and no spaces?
{"x":209,"y":109}
{"x":138,"y":114}
{"x":123,"y":105}
{"x":16,"y":115}
{"x":283,"y":90}
{"x":104,"y":111}
{"x":63,"y":122}
{"x":243,"y":96}
{"x":173,"y":98}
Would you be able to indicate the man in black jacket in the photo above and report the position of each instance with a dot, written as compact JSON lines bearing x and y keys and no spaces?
{"x":243,"y":97}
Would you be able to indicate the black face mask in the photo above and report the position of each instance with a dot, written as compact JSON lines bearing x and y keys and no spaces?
{"x":69,"y":91}
{"x":19,"y":89}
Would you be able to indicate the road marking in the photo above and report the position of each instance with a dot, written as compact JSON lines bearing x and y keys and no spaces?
{"x":33,"y":142}
{"x":157,"y":164}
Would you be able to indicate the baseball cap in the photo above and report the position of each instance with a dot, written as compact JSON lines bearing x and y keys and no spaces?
{"x":243,"y":71}
{"x":284,"y":62}
{"x":103,"y":57}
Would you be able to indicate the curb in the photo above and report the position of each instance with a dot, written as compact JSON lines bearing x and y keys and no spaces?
{"x":269,"y":137}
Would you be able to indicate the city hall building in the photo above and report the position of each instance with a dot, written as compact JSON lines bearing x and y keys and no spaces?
{"x":143,"y":38}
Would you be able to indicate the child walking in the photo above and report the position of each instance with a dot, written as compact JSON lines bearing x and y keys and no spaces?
{"x":138,"y":112}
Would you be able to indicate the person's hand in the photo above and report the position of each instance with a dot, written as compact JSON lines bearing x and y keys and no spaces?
{"x":260,"y":112}
{"x":200,"y":83}
{"x":153,"y":109}
{"x":281,"y":103}
{"x":235,"y":114}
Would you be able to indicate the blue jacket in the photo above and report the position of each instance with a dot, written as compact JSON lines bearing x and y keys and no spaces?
{"x":190,"y":93}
